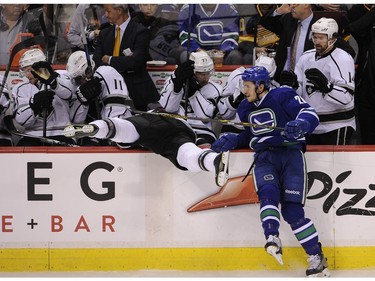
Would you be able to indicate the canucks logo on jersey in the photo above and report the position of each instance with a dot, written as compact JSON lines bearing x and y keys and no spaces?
{"x":262,"y":117}
{"x":210,"y":33}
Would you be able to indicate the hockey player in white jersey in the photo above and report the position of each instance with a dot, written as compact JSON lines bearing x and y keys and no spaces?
{"x":203,"y":94}
{"x":326,"y":81}
{"x":105,"y":86}
{"x":100,"y":94}
{"x":5,"y":137}
{"x":46,"y":92}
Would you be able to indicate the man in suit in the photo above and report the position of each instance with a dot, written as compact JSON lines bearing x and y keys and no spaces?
{"x":284,"y":21}
{"x":131,"y":56}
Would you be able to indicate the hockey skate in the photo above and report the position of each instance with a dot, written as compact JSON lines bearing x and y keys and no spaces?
{"x":318,"y":266}
{"x":273,"y":247}
{"x":80,"y":130}
{"x":221,"y":163}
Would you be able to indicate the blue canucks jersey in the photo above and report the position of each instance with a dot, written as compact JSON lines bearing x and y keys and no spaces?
{"x":218,"y":29}
{"x":275,"y":109}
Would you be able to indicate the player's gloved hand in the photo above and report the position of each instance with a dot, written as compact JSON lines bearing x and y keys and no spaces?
{"x":89,"y":90}
{"x":261,"y":143}
{"x":289,"y":78}
{"x":225,"y":142}
{"x":42,"y":100}
{"x":193,"y":86}
{"x":318,"y":80}
{"x":42,"y":70}
{"x":236,"y":98}
{"x":182,"y":72}
{"x":296,"y":128}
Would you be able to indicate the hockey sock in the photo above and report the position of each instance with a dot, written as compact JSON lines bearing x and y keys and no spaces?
{"x":188,"y":155}
{"x":270,"y":217}
{"x":117,"y":129}
{"x":305,"y":232}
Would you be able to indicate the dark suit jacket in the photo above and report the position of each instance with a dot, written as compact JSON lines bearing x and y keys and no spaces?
{"x":285,"y":26}
{"x":142,"y":89}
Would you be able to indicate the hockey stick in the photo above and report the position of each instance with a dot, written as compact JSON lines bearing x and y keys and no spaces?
{"x":89,"y":66}
{"x":224,"y":121}
{"x":37,"y":40}
{"x":44,"y":139}
{"x":188,"y":55}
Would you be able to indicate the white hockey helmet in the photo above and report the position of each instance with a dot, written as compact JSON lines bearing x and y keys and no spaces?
{"x":325,"y":26}
{"x":202,"y":62}
{"x":267,"y":62}
{"x":30,"y":56}
{"x":77,"y":64}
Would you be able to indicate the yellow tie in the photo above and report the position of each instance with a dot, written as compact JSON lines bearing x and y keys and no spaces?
{"x":116,"y":48}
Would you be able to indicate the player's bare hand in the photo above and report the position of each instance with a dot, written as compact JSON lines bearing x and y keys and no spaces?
{"x":284,"y":9}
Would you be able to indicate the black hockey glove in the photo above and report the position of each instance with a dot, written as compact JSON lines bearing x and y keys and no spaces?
{"x":318,"y":80}
{"x":42,"y":70}
{"x":289,"y":78}
{"x":42,"y":100}
{"x":181,"y":74}
{"x":236,"y":98}
{"x":193,"y":86}
{"x":89,"y":90}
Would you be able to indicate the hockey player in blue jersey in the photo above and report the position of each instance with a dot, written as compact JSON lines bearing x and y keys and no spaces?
{"x":280,"y":176}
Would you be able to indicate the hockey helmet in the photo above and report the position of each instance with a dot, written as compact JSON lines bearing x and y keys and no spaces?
{"x":202,"y":62}
{"x":258,"y":75}
{"x":268,"y":63}
{"x":325,"y":26}
{"x":77,"y":65}
{"x":30,"y":57}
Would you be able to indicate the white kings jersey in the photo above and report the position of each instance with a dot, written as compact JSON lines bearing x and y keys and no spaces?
{"x":57,"y":120}
{"x":336,"y":108}
{"x":225,"y":107}
{"x":114,"y":100}
{"x":115,"y":96}
{"x":201,"y":104}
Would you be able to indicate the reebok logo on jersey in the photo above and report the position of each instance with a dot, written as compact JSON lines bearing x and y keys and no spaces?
{"x":292,"y":192}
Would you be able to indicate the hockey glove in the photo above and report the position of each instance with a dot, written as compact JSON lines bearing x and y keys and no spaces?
{"x":42,"y":100}
{"x":296,"y":128}
{"x":89,"y":90}
{"x":193,"y":86}
{"x":182,"y":72}
{"x":258,"y":144}
{"x":236,"y":98}
{"x":42,"y":70}
{"x":289,"y":78}
{"x":318,"y":80}
{"x":225,"y":142}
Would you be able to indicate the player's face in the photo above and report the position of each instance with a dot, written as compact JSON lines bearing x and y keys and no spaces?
{"x":27,"y":72}
{"x":249,"y":90}
{"x":320,"y":42}
{"x":202,"y":78}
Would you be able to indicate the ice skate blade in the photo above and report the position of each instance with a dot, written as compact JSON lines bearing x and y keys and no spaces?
{"x":325,"y":273}
{"x":223,"y":175}
{"x":272,"y":250}
{"x":78,"y":130}
{"x":222,"y":179}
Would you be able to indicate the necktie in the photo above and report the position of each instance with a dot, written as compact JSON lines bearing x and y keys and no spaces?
{"x":294,"y":47}
{"x":116,"y":48}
